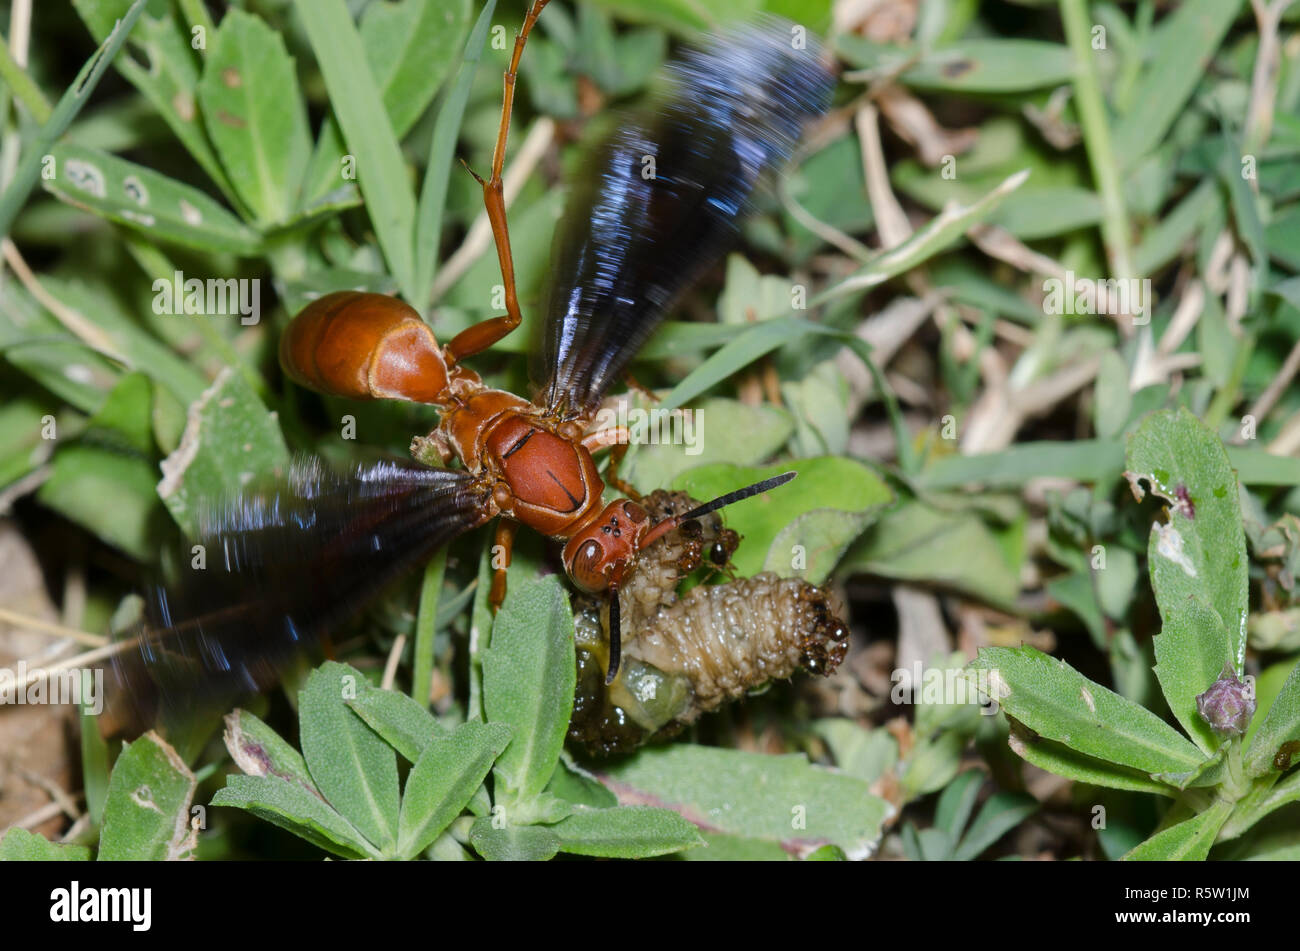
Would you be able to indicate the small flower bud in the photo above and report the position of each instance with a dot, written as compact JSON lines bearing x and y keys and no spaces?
{"x":1228,"y":705}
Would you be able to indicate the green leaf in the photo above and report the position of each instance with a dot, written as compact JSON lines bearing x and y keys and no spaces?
{"x":529,"y":675}
{"x":1188,"y":841}
{"x":442,"y":150}
{"x":921,"y":542}
{"x":823,"y":510}
{"x":105,"y":480}
{"x":1177,"y":56}
{"x":255,"y":115}
{"x":971,"y":66}
{"x":1281,"y":725}
{"x":19,"y":845}
{"x":628,"y":832}
{"x":513,"y":843}
{"x":1060,"y":759}
{"x":410,"y":47}
{"x":359,"y":108}
{"x":76,"y":96}
{"x":230,"y":438}
{"x":167,"y":79}
{"x":449,"y":771}
{"x":353,"y":768}
{"x":780,"y":799}
{"x":404,"y":724}
{"x":1000,"y":814}
{"x":1186,"y":651}
{"x":159,"y":207}
{"x":147,"y":812}
{"x":735,"y":848}
{"x":296,"y":810}
{"x":1056,"y":701}
{"x":1201,"y":551}
{"x":956,"y":802}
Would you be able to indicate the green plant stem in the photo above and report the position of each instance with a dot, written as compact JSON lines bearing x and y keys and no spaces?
{"x":196,"y":14}
{"x":1097,"y":140}
{"x":442,"y":152}
{"x":1258,"y":803}
{"x":425,"y":627}
{"x":20,"y":83}
{"x":1226,"y":398}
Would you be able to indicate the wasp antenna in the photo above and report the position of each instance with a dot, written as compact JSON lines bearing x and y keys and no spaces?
{"x":668,"y":524}
{"x":745,"y":493}
{"x":615,"y":636}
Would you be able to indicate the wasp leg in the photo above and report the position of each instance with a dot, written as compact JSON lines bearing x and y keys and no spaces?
{"x":503,"y":545}
{"x":482,"y":335}
{"x":615,"y":439}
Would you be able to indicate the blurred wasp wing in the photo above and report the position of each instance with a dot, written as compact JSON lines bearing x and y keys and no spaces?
{"x":279,"y":569}
{"x":663,"y":199}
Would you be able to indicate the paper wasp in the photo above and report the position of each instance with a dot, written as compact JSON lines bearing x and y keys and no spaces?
{"x":296,"y":560}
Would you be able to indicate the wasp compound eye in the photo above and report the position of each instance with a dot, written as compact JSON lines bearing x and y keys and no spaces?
{"x":586,"y":567}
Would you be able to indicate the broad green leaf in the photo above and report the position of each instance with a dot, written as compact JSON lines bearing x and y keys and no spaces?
{"x":33,"y":161}
{"x":104,"y":480}
{"x":159,"y":207}
{"x":19,"y":845}
{"x":920,"y":542}
{"x":782,"y":799}
{"x":354,"y":769}
{"x":255,"y":115}
{"x":1200,"y":551}
{"x":404,"y":724}
{"x":735,"y":848}
{"x":293,"y":808}
{"x":448,"y":772}
{"x":1281,"y":725}
{"x":167,"y":77}
{"x":529,"y":675}
{"x":147,"y":812}
{"x":627,"y":832}
{"x":1188,"y":841}
{"x":359,"y":108}
{"x":513,"y":843}
{"x":1186,"y":651}
{"x":823,"y":510}
{"x":229,"y":440}
{"x":1060,"y":759}
{"x":1057,"y":702}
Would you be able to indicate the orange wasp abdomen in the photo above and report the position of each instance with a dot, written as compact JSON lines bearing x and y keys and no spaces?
{"x":364,"y":346}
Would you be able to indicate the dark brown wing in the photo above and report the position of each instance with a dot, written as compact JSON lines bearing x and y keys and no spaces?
{"x":663,"y":200}
{"x":283,"y":567}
